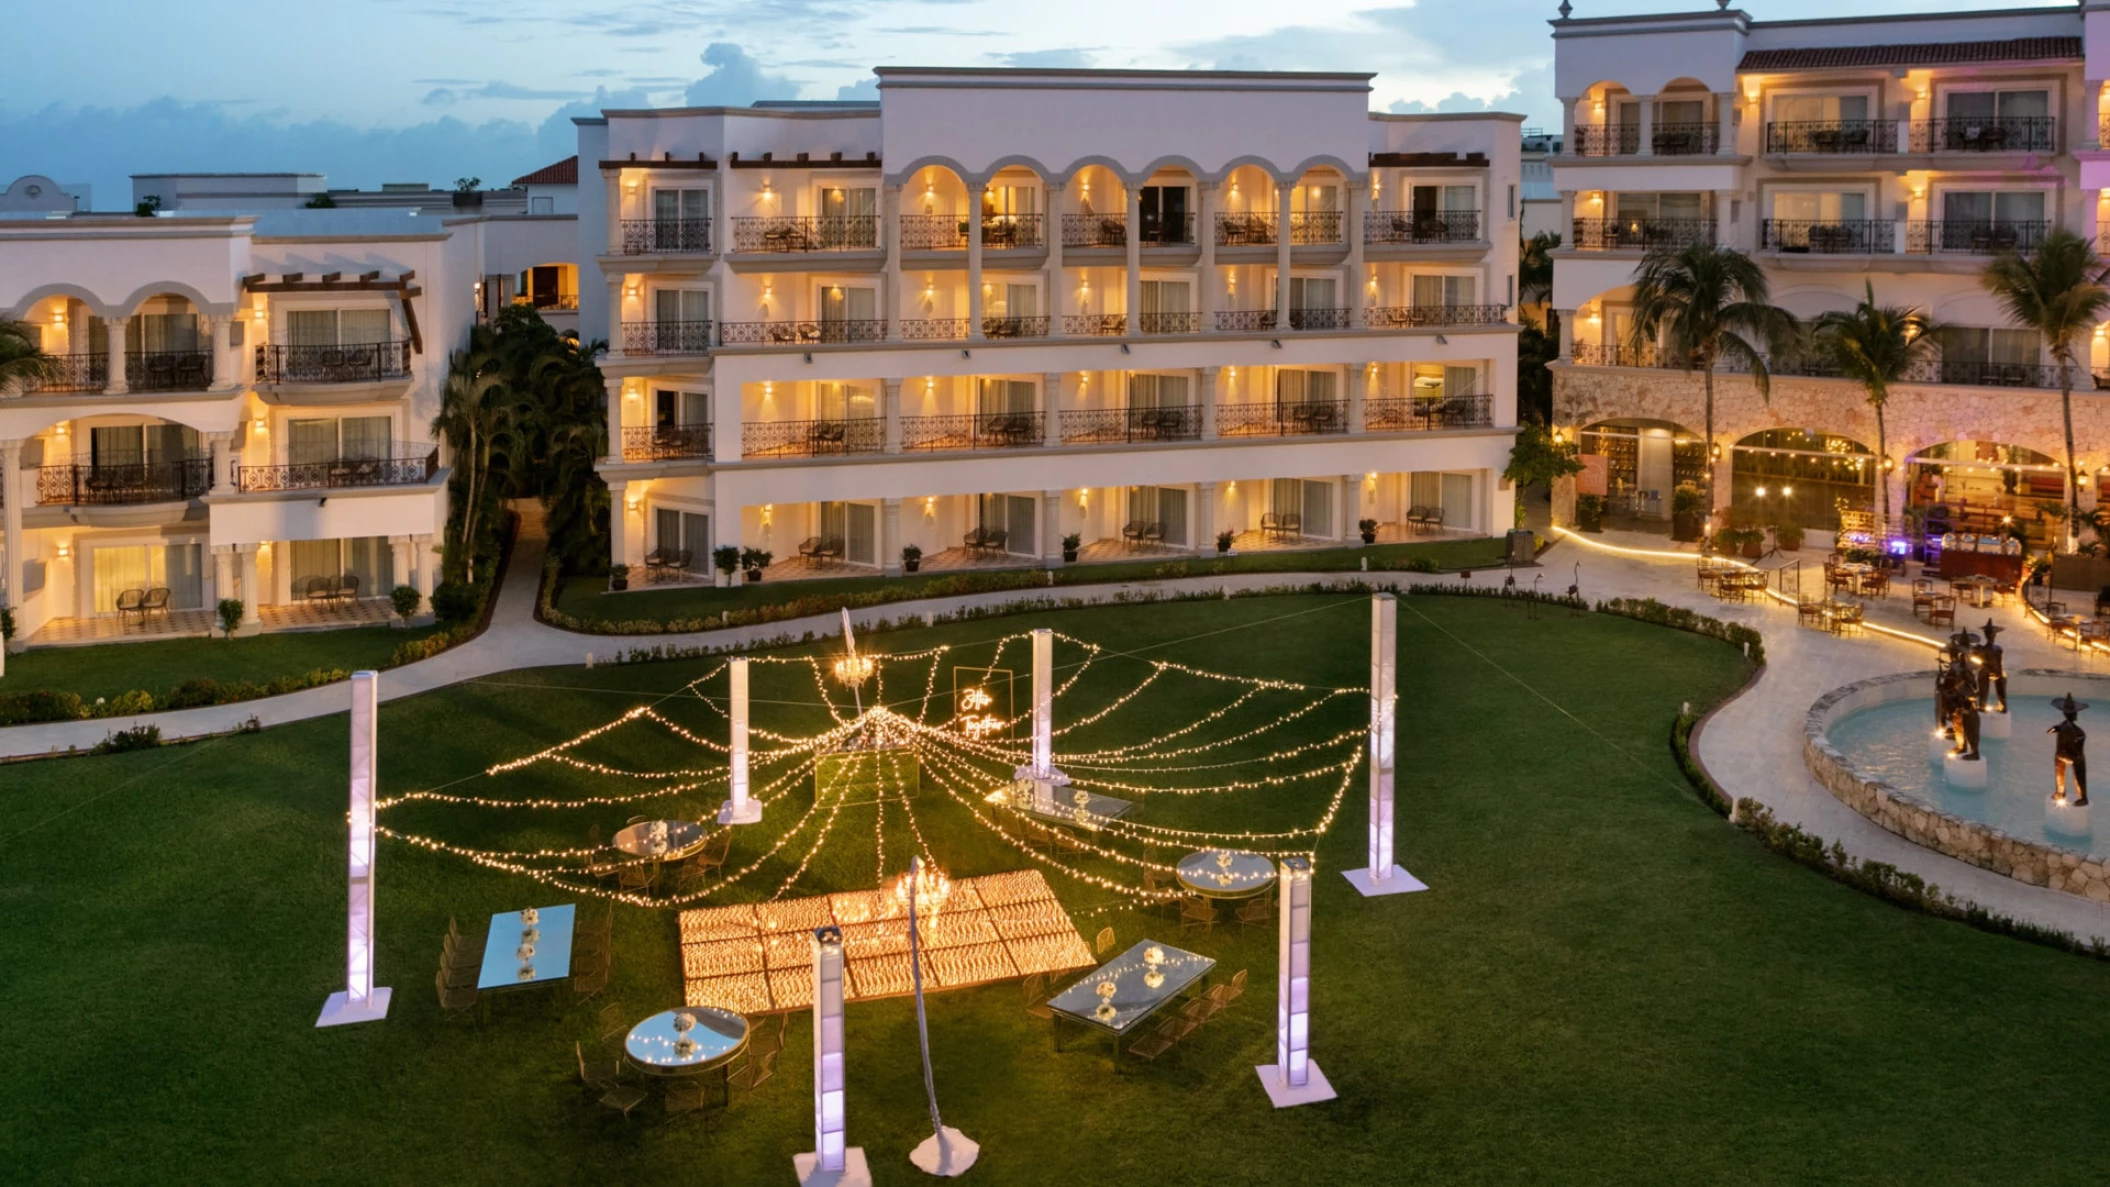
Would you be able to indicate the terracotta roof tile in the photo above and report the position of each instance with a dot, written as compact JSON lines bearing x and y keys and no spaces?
{"x":564,"y":172}
{"x":1942,"y":53}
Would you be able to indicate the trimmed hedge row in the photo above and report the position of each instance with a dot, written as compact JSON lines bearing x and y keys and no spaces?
{"x":1679,"y":618}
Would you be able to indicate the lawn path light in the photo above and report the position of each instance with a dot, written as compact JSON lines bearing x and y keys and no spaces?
{"x":739,"y":809}
{"x":1293,"y":1079}
{"x":1381,"y":876}
{"x":360,"y":1001}
{"x":831,"y":1164}
{"x":946,"y":1152}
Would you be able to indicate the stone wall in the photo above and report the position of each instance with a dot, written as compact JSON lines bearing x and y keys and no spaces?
{"x":1920,"y":822}
{"x":1916,"y":416}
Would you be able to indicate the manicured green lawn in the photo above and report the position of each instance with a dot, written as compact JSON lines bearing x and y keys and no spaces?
{"x":1607,"y":984}
{"x":586,"y":597}
{"x":105,"y":670}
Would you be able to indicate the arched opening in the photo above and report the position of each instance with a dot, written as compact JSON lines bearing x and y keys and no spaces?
{"x":1013,"y":211}
{"x":1804,"y":477}
{"x":1960,"y":493}
{"x":79,"y":341}
{"x":1636,"y":465}
{"x":934,"y":213}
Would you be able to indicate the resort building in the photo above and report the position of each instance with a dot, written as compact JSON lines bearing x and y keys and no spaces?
{"x":1899,"y":152}
{"x":997,"y":308}
{"x":244,"y":408}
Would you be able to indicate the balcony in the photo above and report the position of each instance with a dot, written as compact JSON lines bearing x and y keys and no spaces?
{"x":1962,"y":372}
{"x":935,"y":329}
{"x":1420,"y":414}
{"x":1684,"y":139}
{"x":363,"y":362}
{"x":1321,"y":228}
{"x":933,"y":232}
{"x":1974,"y":236}
{"x":810,"y":233}
{"x":1013,"y":232}
{"x":408,"y":464}
{"x":1114,"y":426}
{"x":1426,"y":226}
{"x":1607,"y":140}
{"x":72,"y":373}
{"x":670,"y":236}
{"x":1014,"y":327}
{"x":1295,"y":419}
{"x":1169,"y":323}
{"x":1831,"y":136}
{"x":1628,"y":234}
{"x":1245,"y":321}
{"x":666,"y":337}
{"x":1864,"y":236}
{"x":972,"y":430}
{"x":1319,"y":319}
{"x":168,"y":370}
{"x":1977,"y":373}
{"x":660,"y":443}
{"x":1172,"y":230}
{"x":1246,"y":230}
{"x":1095,"y":325}
{"x":1094,"y":230}
{"x":2035,"y":134}
{"x":812,"y":438}
{"x":85,"y":484}
{"x":801,"y":333}
{"x":1411,"y":317}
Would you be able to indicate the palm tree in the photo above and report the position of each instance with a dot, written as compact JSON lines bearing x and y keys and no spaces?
{"x":1704,"y":304}
{"x":22,"y":357}
{"x":477,"y":418}
{"x":2057,"y":290}
{"x":1535,"y":268}
{"x":1876,"y":346}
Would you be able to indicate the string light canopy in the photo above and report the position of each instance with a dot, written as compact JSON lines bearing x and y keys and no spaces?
{"x":1233,"y":745}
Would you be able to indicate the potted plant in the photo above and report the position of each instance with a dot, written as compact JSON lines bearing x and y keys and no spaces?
{"x":404,"y":600}
{"x":1368,"y":528}
{"x":1589,"y":513}
{"x":1224,"y":541}
{"x":618,"y":577}
{"x":1070,"y":544}
{"x":911,"y":558}
{"x":1688,"y":512}
{"x":726,"y":559}
{"x":229,"y":609}
{"x":1787,"y":536}
{"x":753,"y":561}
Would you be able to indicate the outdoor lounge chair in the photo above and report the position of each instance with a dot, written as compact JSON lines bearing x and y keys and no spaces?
{"x":157,"y":601}
{"x":132,"y":601}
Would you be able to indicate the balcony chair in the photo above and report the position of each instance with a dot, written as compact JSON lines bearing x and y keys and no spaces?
{"x":157,"y":599}
{"x":132,"y":601}
{"x":1281,"y":525}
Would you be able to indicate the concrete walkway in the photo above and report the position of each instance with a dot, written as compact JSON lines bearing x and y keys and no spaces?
{"x":1752,"y":746}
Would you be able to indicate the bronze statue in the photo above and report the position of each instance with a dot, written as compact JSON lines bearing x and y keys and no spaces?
{"x":1944,"y":697}
{"x":2068,"y":739}
{"x":1963,"y":711}
{"x":1992,"y":670}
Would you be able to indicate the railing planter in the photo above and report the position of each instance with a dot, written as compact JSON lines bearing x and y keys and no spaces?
{"x":360,"y":362}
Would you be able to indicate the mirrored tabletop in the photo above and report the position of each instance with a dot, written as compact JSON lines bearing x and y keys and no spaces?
{"x":520,"y":951}
{"x":1141,"y":979}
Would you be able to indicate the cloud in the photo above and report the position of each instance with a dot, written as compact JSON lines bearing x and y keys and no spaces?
{"x":864,"y":90}
{"x":1048,"y":59}
{"x":736,"y":79}
{"x":103,"y":145}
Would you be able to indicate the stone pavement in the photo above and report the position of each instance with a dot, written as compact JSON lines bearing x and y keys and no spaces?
{"x":1752,"y":746}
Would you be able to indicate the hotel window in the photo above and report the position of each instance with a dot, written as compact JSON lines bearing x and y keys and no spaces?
{"x":850,"y":216}
{"x":1163,"y":209}
{"x":1445,"y":290}
{"x":367,"y":558}
{"x":361,"y":438}
{"x":336,"y":327}
{"x":674,"y":408}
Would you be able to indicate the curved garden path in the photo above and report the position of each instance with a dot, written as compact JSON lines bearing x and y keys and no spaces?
{"x":1752,"y":746}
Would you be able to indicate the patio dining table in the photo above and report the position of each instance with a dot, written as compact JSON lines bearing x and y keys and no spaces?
{"x":1115,"y":998}
{"x":680,"y":839}
{"x":687,"y":1041}
{"x":524,"y":948}
{"x":1977,"y":588}
{"x":1222,"y":873}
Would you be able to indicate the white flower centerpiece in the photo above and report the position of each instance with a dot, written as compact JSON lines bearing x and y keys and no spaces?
{"x":684,"y":1046}
{"x":530,"y":917}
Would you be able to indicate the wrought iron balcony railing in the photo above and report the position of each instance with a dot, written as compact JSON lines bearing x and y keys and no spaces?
{"x":1861,"y":236}
{"x":646,"y":236}
{"x":83,"y":483}
{"x":1014,"y":327}
{"x":358,"y":362}
{"x":801,"y":333}
{"x":2036,"y":133}
{"x":1095,"y":325}
{"x":933,"y":232}
{"x":1607,"y":140}
{"x":1094,"y":230}
{"x":1411,"y":414}
{"x":934,"y":329}
{"x":1169,"y":323}
{"x":1010,"y":232}
{"x":803,"y":233}
{"x":1245,"y":321}
{"x":667,"y":337}
{"x":655,"y":443}
{"x":73,"y":373}
{"x":1166,"y":230}
{"x":1315,"y":228}
{"x":1108,"y":426}
{"x":1832,"y":136}
{"x":168,"y":370}
{"x":1683,"y":138}
{"x":1387,"y":317}
{"x":812,"y":438}
{"x":1287,"y":419}
{"x":972,"y":430}
{"x":1318,"y":319}
{"x":1407,"y":226}
{"x":1252,"y":229}
{"x":1974,"y":236}
{"x":408,"y":464}
{"x":1618,"y":234}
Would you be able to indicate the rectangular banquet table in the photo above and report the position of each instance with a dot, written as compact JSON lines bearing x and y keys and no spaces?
{"x":552,"y":960}
{"x":1133,"y":999}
